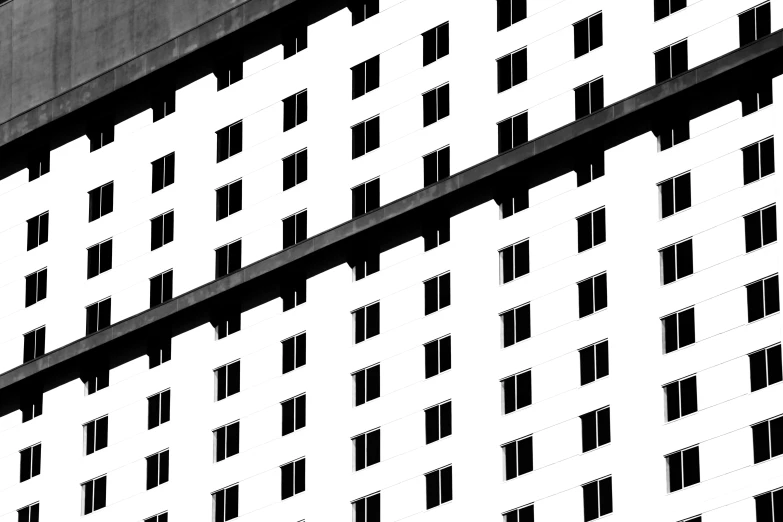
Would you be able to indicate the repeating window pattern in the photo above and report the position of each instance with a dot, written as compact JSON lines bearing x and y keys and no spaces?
{"x":35,"y":287}
{"x":29,"y":513}
{"x":226,"y":441}
{"x":34,"y":344}
{"x":367,"y":449}
{"x":512,"y":69}
{"x":294,"y":169}
{"x":161,"y":288}
{"x":98,"y":315}
{"x":93,"y":495}
{"x":681,"y":398}
{"x":683,"y":468}
{"x":157,"y":469}
{"x":227,"y":380}
{"x":37,"y":230}
{"x":361,"y":10}
{"x":437,"y":422}
{"x":367,"y":322}
{"x":758,"y":160}
{"x":766,"y":368}
{"x":367,"y":509}
{"x":591,"y":229}
{"x":225,"y":504}
{"x":597,"y":497}
{"x":514,"y":261}
{"x":671,"y":61}
{"x":228,"y":258}
{"x":366,"y":136}
{"x":763,"y":298}
{"x":679,"y":330}
{"x":229,"y":141}
{"x":437,"y":356}
{"x":439,"y":487}
{"x":676,"y":261}
{"x":523,"y":514}
{"x":767,"y":439}
{"x":596,"y":429}
{"x":518,"y":457}
{"x":517,"y":391}
{"x":512,"y":132}
{"x":436,"y":104}
{"x":594,"y":362}
{"x":367,"y":384}
{"x":588,"y":34}
{"x":437,"y":293}
{"x":755,"y":23}
{"x":675,"y":194}
{"x":295,"y":228}
{"x":294,"y":352}
{"x":366,"y":76}
{"x":436,"y":43}
{"x":592,"y":295}
{"x":768,"y":506}
{"x":228,"y":199}
{"x":162,"y":230}
{"x":664,"y":8}
{"x":515,"y":324}
{"x":294,"y":414}
{"x":511,"y":12}
{"x":292,"y":478}
{"x":294,"y":110}
{"x":760,"y":228}
{"x":29,"y":462}
{"x":158,"y":409}
{"x":437,"y":165}
{"x":99,"y":258}
{"x":366,"y":197}
{"x":101,"y":201}
{"x":589,"y":97}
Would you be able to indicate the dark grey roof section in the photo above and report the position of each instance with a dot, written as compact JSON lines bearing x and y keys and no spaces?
{"x":614,"y":114}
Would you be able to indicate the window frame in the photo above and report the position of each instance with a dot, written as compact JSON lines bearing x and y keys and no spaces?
{"x":525,"y":268}
{"x":37,"y":230}
{"x":439,"y":347}
{"x":438,"y":95}
{"x":662,"y":196}
{"x":92,"y":493}
{"x":227,"y":391}
{"x":362,"y":446}
{"x":163,"y":401}
{"x":361,"y":386}
{"x":680,"y":248}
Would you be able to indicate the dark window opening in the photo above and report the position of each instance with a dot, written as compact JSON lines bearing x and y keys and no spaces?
{"x":588,"y":34}
{"x":437,"y":165}
{"x":671,"y":61}
{"x":292,"y":478}
{"x":34,"y":344}
{"x":517,"y":392}
{"x":592,"y":295}
{"x":757,"y":98}
{"x":436,"y":43}
{"x":367,"y":449}
{"x":591,"y":229}
{"x":225,"y":504}
{"x":35,"y":287}
{"x":294,"y":414}
{"x":755,"y":23}
{"x":228,"y":199}
{"x":366,"y":136}
{"x":294,"y":352}
{"x":596,"y":429}
{"x":94,"y":495}
{"x":361,"y":10}
{"x":681,"y":398}
{"x":38,"y":165}
{"x":157,"y":469}
{"x":437,"y":422}
{"x":514,"y":261}
{"x":30,"y":463}
{"x":229,"y":72}
{"x":226,"y":441}
{"x":590,"y":169}
{"x":436,"y":104}
{"x":367,"y":322}
{"x":675,"y":194}
{"x":367,"y":384}
{"x":158,"y":409}
{"x":766,"y":368}
{"x":101,"y":201}
{"x":758,"y":160}
{"x":365,"y":77}
{"x":99,"y":258}
{"x":294,"y":169}
{"x":760,"y":228}
{"x":98,"y":315}
{"x":763,"y":298}
{"x":589,"y":98}
{"x":679,"y":330}
{"x":437,"y":293}
{"x":294,"y":293}
{"x":512,"y":69}
{"x":227,"y":380}
{"x":295,"y":229}
{"x":294,"y":110}
{"x":229,"y":322}
{"x":597,"y":497}
{"x":229,"y":141}
{"x":366,"y":197}
{"x":37,"y":230}
{"x":518,"y":457}
{"x":594,"y":362}
{"x":161,"y":288}
{"x":101,"y":134}
{"x":512,"y":132}
{"x":228,"y":258}
{"x":664,"y":8}
{"x":437,"y":356}
{"x":511,"y":12}
{"x":676,"y":261}
{"x":515,"y":324}
{"x":162,"y":172}
{"x":162,"y":230}
{"x":436,"y":232}
{"x":767,"y":440}
{"x":439,"y":487}
{"x":367,"y":509}
{"x":683,"y":468}
{"x":294,"y":39}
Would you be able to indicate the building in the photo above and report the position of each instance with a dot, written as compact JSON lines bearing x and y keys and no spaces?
{"x":406,"y":259}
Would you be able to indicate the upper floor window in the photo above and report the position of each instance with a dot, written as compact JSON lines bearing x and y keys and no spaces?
{"x":31,"y":404}
{"x":590,"y":168}
{"x":514,"y":261}
{"x":437,"y":165}
{"x":681,"y":398}
{"x":594,"y":362}
{"x":38,"y":165}
{"x":366,"y":136}
{"x":294,"y":110}
{"x":592,"y":295}
{"x":229,"y":71}
{"x":367,"y":449}
{"x":436,"y":104}
{"x":515,"y":324}
{"x":227,"y":380}
{"x":226,"y":441}
{"x":96,"y":377}
{"x":292,"y":478}
{"x":766,"y":439}
{"x":511,"y":12}
{"x":518,"y":456}
{"x":158,"y":409}
{"x":34,"y":343}
{"x":437,"y":422}
{"x":367,"y":384}
{"x":597,"y":497}
{"x":294,"y":352}
{"x":101,"y":134}
{"x":437,"y":356}
{"x":439,"y":487}
{"x":37,"y":230}
{"x":671,"y":61}
{"x":367,"y":322}
{"x":512,"y":69}
{"x":755,"y":23}
{"x":588,"y":34}
{"x":101,"y":201}
{"x":591,"y":229}
{"x":437,"y":293}
{"x":589,"y":98}
{"x":361,"y":10}
{"x":763,"y":298}
{"x":228,"y":199}
{"x":675,"y":194}
{"x":28,"y":513}
{"x":228,"y":258}
{"x":229,"y":321}
{"x":366,"y":263}
{"x":225,"y":504}
{"x":513,"y":199}
{"x":517,"y":391}
{"x":683,"y":468}
{"x":161,"y":288}
{"x":436,"y":43}
{"x":98,"y":315}
{"x":93,"y":495}
{"x":437,"y":231}
{"x":164,"y":102}
{"x":766,"y":368}
{"x":366,"y":76}
{"x":35,"y":287}
{"x":295,"y":228}
{"x":677,"y":261}
{"x":229,"y":141}
{"x":679,"y":330}
{"x":512,"y":132}
{"x":99,"y":258}
{"x":294,"y":414}
{"x":30,"y":462}
{"x":366,"y":197}
{"x":764,"y":505}
{"x":162,"y":230}
{"x":159,"y":350}
{"x":760,"y":228}
{"x":157,"y":469}
{"x":294,"y":38}
{"x":162,"y":172}
{"x":367,"y":509}
{"x":758,"y":160}
{"x":664,"y":8}
{"x":596,"y":429}
{"x":674,"y":132}
{"x":160,"y":517}
{"x":294,"y":169}
{"x":523,"y":514}
{"x":757,"y":97}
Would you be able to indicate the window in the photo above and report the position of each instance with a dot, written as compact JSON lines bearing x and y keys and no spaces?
{"x":227,"y":381}
{"x":294,"y":294}
{"x":226,"y":441}
{"x":588,"y":34}
{"x":767,"y":439}
{"x":681,"y":398}
{"x":367,"y":449}
{"x":512,"y":132}
{"x":765,"y":503}
{"x":157,"y":469}
{"x":514,"y":199}
{"x":294,"y":352}
{"x":101,"y":134}
{"x":159,"y":350}
{"x":294,"y":169}
{"x":361,"y":10}
{"x":760,"y":228}
{"x":294,"y":414}
{"x":164,"y":103}
{"x":367,"y":322}
{"x":512,"y":69}
{"x":295,"y":228}
{"x":664,"y":8}
{"x":366,"y":136}
{"x":592,"y":295}
{"x":96,"y":377}
{"x":523,"y":514}
{"x":518,"y":457}
{"x":671,"y":61}
{"x":437,"y":422}
{"x":436,"y":43}
{"x":94,"y":495}
{"x":99,"y":258}
{"x":517,"y":391}
{"x":162,"y":172}
{"x":101,"y":201}
{"x":38,"y":164}
{"x":597,"y":498}
{"x":29,"y":513}
{"x":683,"y":468}
{"x":367,"y":509}
{"x":229,"y":71}
{"x":758,"y":160}
{"x":676,"y":261}
{"x":437,"y":356}
{"x":757,"y":97}
{"x":162,"y":517}
{"x":675,"y":194}
{"x":368,"y":262}
{"x":589,"y":97}
{"x":35,"y":287}
{"x":437,"y":293}
{"x":294,"y":38}
{"x":754,"y":23}
{"x":292,"y":478}
{"x":693,"y":519}
{"x":294,"y":110}
{"x":514,"y":261}
{"x":161,"y":288}
{"x":30,"y":463}
{"x":366,"y":76}
{"x":37,"y":230}
{"x":591,"y":169}
{"x":225,"y":504}
{"x":367,"y":384}
{"x":229,"y":141}
{"x":366,"y":197}
{"x":594,"y":362}
{"x":162,"y":230}
{"x":228,"y":199}
{"x":34,"y":343}
{"x":31,"y":404}
{"x":228,"y":322}
{"x":763,"y":298}
{"x":511,"y":12}
{"x":158,"y":409}
{"x":228,"y":258}
{"x":679,"y":330}
{"x":591,"y":229}
{"x":766,"y":368}
{"x":515,"y":324}
{"x":439,"y":487}
{"x":596,"y":429}
{"x":677,"y":131}
{"x":437,"y":231}
{"x":436,"y":104}
{"x":437,"y":165}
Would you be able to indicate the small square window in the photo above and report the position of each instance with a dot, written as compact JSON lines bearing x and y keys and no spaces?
{"x":98,"y":315}
{"x":93,"y":495}
{"x":367,"y":509}
{"x":367,"y":449}
{"x":679,"y":330}
{"x":676,"y":261}
{"x":439,"y":487}
{"x":767,"y":437}
{"x":681,"y":398}
{"x":29,"y":513}
{"x":512,"y":69}
{"x":683,"y":468}
{"x":518,"y":457}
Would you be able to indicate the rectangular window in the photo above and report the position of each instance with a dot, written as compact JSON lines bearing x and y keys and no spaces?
{"x":671,"y":61}
{"x":229,"y":321}
{"x":592,"y":295}
{"x":588,"y":34}
{"x":228,"y":258}
{"x":164,"y":102}
{"x":760,"y":228}
{"x":512,"y":69}
{"x":437,"y":356}
{"x":294,"y":352}
{"x":367,"y":449}
{"x":436,"y":43}
{"x":294,"y":110}
{"x":767,"y":439}
{"x":591,"y":229}
{"x":96,"y":377}
{"x":676,"y":261}
{"x":30,"y":462}
{"x":161,"y":517}
{"x":514,"y":261}
{"x":439,"y":487}
{"x":515,"y":324}
{"x":162,"y":230}
{"x":28,"y":513}
{"x":292,"y":478}
{"x":161,"y":288}
{"x":768,"y":506}
{"x":758,"y":160}
{"x":437,"y":422}
{"x":367,"y":322}
{"x":679,"y":330}
{"x":158,"y":409}
{"x":294,"y":414}
{"x":436,"y":104}
{"x":37,"y":230}
{"x":38,"y":164}
{"x":675,"y":194}
{"x":590,"y":169}
{"x":512,"y":132}
{"x":757,"y":97}
{"x":31,"y":404}
{"x":294,"y":38}
{"x":99,"y":258}
{"x":96,"y":435}
{"x":367,"y":509}
{"x":98,"y":315}
{"x":514,"y":199}
{"x":229,"y":141}
{"x":437,"y":293}
{"x":294,"y":169}
{"x":228,"y":199}
{"x":366,"y":197}
{"x":295,"y":228}
{"x":766,"y":368}
{"x":517,"y":391}
{"x":683,"y":468}
{"x":367,"y":384}
{"x":664,"y":8}
{"x":93,"y":495}
{"x":101,"y":134}
{"x":594,"y":362}
{"x":681,"y":398}
{"x":226,"y":380}
{"x":157,"y":469}
{"x":159,"y":350}
{"x":366,"y":76}
{"x":226,"y":441}
{"x":225,"y":504}
{"x":518,"y":457}
{"x":677,"y":131}
{"x":361,"y":10}
{"x":367,"y":262}
{"x":229,"y":71}
{"x":597,"y":497}
{"x":511,"y":12}
{"x":437,"y":231}
{"x":763,"y":298}
{"x":437,"y":165}
{"x":754,"y":23}
{"x":162,"y":172}
{"x":101,"y":201}
{"x":523,"y":514}
{"x":294,"y":294}
{"x":34,"y":344}
{"x":366,"y":136}
{"x":589,"y":97}
{"x":596,"y":429}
